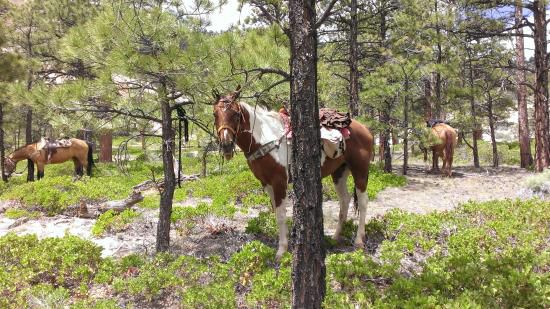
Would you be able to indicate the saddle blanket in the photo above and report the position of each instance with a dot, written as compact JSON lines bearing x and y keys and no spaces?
{"x":333,"y":142}
{"x":45,"y":142}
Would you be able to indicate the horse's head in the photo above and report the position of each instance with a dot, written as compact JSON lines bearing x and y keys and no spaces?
{"x":9,"y":166}
{"x":228,"y":117}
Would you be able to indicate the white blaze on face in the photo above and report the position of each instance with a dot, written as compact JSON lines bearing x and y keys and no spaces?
{"x":225,"y":134}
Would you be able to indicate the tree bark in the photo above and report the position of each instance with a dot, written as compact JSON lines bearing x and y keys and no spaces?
{"x":386,"y":141}
{"x":167,"y":195}
{"x":308,"y":263}
{"x":439,"y":60}
{"x":2,"y":150}
{"x":473,"y":111}
{"x":542,"y":147}
{"x":492,"y":129}
{"x":427,"y":99}
{"x":526,"y":159}
{"x":106,"y":146}
{"x":406,"y":125}
{"x":353,"y":61}
{"x":29,"y":140}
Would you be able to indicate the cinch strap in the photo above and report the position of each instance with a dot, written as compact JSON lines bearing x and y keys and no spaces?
{"x":264,"y":149}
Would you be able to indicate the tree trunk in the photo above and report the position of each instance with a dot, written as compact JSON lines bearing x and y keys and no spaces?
{"x":526,"y":159}
{"x":406,"y":125}
{"x":353,"y":60}
{"x":492,"y":129}
{"x":167,"y":195}
{"x":542,"y":147}
{"x":2,"y":150}
{"x":427,"y":99}
{"x":29,"y":140}
{"x":386,"y":140}
{"x":106,"y":146}
{"x":308,"y":263}
{"x":473,"y":111}
{"x":439,"y":60}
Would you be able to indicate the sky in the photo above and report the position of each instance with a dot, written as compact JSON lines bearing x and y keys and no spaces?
{"x":228,"y":15}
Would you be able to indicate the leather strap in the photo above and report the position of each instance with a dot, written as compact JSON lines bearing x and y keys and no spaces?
{"x":264,"y":150}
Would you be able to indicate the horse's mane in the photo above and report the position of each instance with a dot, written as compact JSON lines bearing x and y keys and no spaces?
{"x":260,"y":110}
{"x":21,"y":147}
{"x":266,"y":125}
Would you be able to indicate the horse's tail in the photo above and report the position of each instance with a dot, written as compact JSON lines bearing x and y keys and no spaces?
{"x":90,"y":159}
{"x":449,"y":148}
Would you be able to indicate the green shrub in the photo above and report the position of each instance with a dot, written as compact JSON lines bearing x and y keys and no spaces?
{"x":55,"y":192}
{"x":264,"y":224}
{"x":272,"y":288}
{"x":113,"y":222}
{"x":25,"y":261}
{"x":16,"y":213}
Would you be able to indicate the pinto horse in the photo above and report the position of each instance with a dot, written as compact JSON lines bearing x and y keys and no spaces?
{"x":260,"y":134}
{"x":448,"y":137}
{"x":79,"y":151}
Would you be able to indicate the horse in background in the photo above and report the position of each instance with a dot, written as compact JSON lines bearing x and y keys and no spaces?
{"x":445,"y":149}
{"x":261,"y":135}
{"x":79,"y":151}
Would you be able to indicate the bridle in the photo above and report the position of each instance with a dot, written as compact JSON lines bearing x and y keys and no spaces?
{"x":227,"y":105}
{"x":9,"y":161}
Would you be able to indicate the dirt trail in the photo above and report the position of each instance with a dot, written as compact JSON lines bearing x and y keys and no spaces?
{"x":423,"y":193}
{"x":426,"y":192}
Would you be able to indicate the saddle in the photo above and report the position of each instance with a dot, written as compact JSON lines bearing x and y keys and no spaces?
{"x":334,"y":130}
{"x":433,"y":122}
{"x":51,"y":146}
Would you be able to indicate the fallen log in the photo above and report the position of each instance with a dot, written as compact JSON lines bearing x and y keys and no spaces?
{"x":93,"y":211}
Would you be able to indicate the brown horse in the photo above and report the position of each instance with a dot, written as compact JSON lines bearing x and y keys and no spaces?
{"x":260,"y":134}
{"x":79,"y":151}
{"x":448,"y":137}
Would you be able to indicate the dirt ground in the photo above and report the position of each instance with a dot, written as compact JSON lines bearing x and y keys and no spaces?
{"x":426,"y":192}
{"x":423,"y":193}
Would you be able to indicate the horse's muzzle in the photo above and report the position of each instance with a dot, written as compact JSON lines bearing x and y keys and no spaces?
{"x":228,"y":149}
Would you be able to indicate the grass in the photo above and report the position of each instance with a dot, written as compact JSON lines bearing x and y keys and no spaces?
{"x":480,"y":255}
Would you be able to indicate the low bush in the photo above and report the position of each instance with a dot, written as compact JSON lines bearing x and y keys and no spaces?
{"x":45,"y":268}
{"x":482,"y":255}
{"x":113,"y":222}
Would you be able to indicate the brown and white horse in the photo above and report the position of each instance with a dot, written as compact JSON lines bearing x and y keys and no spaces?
{"x":80,"y":152}
{"x":260,"y":134}
{"x":444,"y":150}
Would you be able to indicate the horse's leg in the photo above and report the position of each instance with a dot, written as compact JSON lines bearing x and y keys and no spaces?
{"x":279,"y":201}
{"x":444,"y":157}
{"x":77,"y":168}
{"x":435,"y":161}
{"x":40,"y":171}
{"x":361,"y":178}
{"x":450,"y":165}
{"x":340,"y":177}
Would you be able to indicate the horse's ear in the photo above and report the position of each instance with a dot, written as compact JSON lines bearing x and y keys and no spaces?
{"x":236,"y":93}
{"x":216,"y":95}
